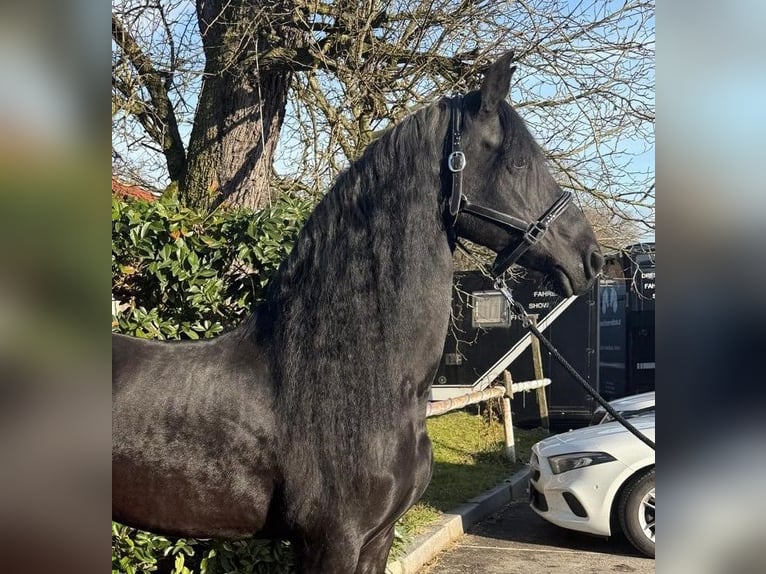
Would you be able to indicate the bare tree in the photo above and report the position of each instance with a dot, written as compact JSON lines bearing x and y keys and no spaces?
{"x":239,"y":107}
{"x":325,"y":77}
{"x":156,"y":65}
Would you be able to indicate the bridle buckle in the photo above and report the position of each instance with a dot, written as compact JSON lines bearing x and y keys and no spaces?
{"x":456,"y":161}
{"x":535,"y":232}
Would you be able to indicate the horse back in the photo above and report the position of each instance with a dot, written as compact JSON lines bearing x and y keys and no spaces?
{"x":193,"y":436}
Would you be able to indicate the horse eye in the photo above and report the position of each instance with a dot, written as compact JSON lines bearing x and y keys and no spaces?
{"x":515,"y":164}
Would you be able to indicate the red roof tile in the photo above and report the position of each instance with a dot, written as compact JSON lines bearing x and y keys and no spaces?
{"x":134,"y":191}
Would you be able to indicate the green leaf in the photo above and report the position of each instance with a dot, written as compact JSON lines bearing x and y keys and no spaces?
{"x":179,"y":564}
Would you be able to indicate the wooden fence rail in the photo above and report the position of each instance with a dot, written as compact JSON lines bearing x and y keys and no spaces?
{"x":505,"y":393}
{"x":437,"y":408}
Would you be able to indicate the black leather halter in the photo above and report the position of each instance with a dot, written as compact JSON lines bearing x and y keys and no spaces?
{"x":531,"y":232}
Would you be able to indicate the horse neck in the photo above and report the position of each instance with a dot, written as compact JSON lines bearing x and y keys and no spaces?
{"x":369,"y":277}
{"x":374,"y":240}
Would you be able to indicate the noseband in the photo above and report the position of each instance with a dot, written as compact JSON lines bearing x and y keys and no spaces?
{"x":532,"y":233}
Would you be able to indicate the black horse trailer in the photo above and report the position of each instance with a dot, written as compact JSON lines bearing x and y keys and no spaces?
{"x":483,"y":341}
{"x":627,"y":290}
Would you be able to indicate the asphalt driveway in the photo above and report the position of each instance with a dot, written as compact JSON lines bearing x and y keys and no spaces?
{"x":517,"y":541}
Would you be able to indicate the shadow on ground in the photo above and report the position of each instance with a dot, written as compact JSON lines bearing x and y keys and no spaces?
{"x":518,"y":523}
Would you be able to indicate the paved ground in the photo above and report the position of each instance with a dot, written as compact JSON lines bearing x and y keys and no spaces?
{"x":517,"y":541}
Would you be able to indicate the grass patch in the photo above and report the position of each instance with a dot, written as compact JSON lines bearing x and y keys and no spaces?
{"x":468,"y":459}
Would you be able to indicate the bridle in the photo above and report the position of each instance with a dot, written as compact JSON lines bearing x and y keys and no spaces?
{"x":532,"y":233}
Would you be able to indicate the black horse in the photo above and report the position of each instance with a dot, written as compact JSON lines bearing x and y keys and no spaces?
{"x":308,"y":421}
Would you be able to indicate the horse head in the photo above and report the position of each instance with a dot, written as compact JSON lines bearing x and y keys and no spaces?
{"x":509,"y":201}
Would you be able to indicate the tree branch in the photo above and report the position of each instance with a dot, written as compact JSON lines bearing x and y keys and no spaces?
{"x":161,"y":109}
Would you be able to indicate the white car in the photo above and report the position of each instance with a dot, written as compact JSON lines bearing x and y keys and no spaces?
{"x":632,"y":406}
{"x":585,"y":478}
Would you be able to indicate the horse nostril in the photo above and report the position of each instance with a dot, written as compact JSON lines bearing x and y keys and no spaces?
{"x":596,"y":262}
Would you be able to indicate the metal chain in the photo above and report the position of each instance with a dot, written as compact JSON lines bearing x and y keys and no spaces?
{"x":479,"y":263}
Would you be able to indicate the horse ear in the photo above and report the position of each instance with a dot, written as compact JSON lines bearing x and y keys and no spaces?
{"x":497,"y":83}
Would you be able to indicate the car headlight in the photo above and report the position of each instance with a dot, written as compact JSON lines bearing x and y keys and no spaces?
{"x":565,"y":462}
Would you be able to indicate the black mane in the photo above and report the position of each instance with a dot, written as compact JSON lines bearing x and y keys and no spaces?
{"x":343,"y":277}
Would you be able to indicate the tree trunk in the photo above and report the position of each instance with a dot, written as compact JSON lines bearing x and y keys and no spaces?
{"x":240,"y":112}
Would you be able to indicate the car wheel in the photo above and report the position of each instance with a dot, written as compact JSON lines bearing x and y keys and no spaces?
{"x":636,"y":512}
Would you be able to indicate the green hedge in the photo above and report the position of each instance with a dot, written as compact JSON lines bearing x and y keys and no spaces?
{"x":180,"y":273}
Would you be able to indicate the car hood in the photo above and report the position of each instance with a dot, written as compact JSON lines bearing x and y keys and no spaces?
{"x":610,"y":437}
{"x":631,"y":403}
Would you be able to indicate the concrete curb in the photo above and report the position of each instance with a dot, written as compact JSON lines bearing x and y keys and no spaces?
{"x":453,"y":525}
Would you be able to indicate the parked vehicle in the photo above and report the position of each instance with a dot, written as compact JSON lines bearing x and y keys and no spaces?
{"x":583,"y":479}
{"x":628,"y":407}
